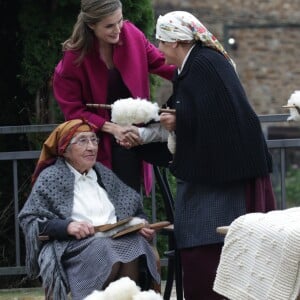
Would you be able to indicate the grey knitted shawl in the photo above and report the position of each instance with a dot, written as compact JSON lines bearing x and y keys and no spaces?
{"x":52,"y":197}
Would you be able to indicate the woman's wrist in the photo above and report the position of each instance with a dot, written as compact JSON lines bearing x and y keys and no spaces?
{"x":109,"y":127}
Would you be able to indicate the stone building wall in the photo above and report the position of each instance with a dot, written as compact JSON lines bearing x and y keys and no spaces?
{"x":267,"y":50}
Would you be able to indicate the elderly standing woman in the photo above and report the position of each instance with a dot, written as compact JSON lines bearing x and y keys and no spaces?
{"x":220,"y":160}
{"x":71,"y":194}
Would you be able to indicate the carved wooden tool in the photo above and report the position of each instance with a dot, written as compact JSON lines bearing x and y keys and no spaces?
{"x":110,"y":106}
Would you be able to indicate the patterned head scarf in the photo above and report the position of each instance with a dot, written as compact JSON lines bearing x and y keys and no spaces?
{"x":58,"y":141}
{"x":183,"y":26}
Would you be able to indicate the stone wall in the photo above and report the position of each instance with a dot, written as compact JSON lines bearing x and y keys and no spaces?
{"x":267,"y":49}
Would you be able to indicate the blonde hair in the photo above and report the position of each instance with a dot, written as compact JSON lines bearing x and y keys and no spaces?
{"x":92,"y":11}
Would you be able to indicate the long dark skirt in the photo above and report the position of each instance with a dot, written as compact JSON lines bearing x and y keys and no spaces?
{"x":199,"y":265}
{"x":202,"y":208}
{"x":88,"y":262}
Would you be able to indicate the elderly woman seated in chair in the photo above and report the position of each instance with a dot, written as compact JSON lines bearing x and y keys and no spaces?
{"x":71,"y":194}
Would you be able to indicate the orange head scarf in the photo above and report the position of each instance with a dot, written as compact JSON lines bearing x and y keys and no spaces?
{"x":58,"y":141}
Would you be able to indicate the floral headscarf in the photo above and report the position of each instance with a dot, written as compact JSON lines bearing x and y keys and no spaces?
{"x":183,"y":26}
{"x":58,"y":141}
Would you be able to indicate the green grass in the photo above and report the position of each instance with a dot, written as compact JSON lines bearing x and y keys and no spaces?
{"x":292,"y":182}
{"x":293,"y":187}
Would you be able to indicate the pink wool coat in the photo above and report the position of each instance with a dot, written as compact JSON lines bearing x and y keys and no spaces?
{"x":75,"y":85}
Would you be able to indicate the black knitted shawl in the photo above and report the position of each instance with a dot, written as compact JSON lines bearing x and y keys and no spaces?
{"x":219,"y":136}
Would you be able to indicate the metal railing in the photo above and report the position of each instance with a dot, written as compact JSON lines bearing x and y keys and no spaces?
{"x":16,"y":156}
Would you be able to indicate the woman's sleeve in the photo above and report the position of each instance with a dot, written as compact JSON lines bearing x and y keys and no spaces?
{"x":68,"y":91}
{"x":55,"y":229}
{"x":153,"y":133}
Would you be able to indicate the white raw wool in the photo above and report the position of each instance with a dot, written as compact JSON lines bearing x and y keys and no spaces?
{"x":261,"y":259}
{"x":147,"y":295}
{"x":95,"y":295}
{"x":172,"y":142}
{"x":123,"y":289}
{"x":134,"y":111}
{"x":294,"y":100}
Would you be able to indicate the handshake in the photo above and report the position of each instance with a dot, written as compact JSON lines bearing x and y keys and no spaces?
{"x":139,"y":121}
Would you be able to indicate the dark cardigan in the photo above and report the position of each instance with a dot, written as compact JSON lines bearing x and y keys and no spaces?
{"x":219,"y":136}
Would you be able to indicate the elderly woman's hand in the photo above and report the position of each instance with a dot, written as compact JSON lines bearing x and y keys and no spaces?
{"x":126,"y":136}
{"x":147,"y":233}
{"x":131,"y":137}
{"x":168,"y":121}
{"x":80,"y":230}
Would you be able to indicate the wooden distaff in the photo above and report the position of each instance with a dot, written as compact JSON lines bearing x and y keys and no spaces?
{"x":133,"y":228}
{"x":109,"y":106}
{"x":129,"y":229}
{"x":292,"y":106}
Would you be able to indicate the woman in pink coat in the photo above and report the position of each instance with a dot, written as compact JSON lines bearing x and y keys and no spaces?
{"x":106,"y":59}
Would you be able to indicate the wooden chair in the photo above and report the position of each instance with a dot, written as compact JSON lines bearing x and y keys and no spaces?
{"x":174,"y":265}
{"x":174,"y":270}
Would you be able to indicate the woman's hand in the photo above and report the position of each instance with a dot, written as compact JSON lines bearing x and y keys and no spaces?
{"x":131,"y":137}
{"x":80,"y":230}
{"x":168,"y":121}
{"x":147,"y":233}
{"x":126,"y":136}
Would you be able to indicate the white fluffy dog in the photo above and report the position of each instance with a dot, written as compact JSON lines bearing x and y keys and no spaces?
{"x":294,"y":106}
{"x":123,"y":289}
